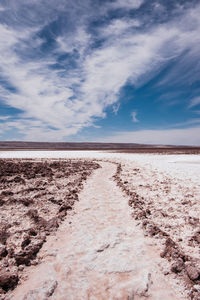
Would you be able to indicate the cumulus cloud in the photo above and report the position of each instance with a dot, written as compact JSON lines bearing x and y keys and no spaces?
{"x":61,"y":81}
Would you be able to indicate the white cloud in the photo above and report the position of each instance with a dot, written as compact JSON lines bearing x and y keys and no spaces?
{"x":116,"y":108}
{"x":79,"y":41}
{"x":4,"y":118}
{"x":158,"y":7}
{"x":48,"y":96}
{"x":119,"y":26}
{"x":189,"y":136}
{"x":194,"y":102}
{"x":186,"y":123}
{"x":134,"y":117}
{"x":128,"y":4}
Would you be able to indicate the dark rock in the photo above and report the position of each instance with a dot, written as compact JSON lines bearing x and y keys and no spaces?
{"x":3,"y":251}
{"x":140,"y":215}
{"x":170,"y":249}
{"x":65,"y":207}
{"x":196,"y":237}
{"x":26,"y":241}
{"x":4,"y":263}
{"x":75,"y":191}
{"x":148,"y":212}
{"x":153,"y":230}
{"x":55,"y":201}
{"x":130,"y":202}
{"x":193,"y":221}
{"x":62,"y":214}
{"x":10,"y":252}
{"x":21,"y":258}
{"x":192,"y":272}
{"x":177,"y":266}
{"x":18,"y":179}
{"x":166,"y":273}
{"x":8,"y":280}
{"x":2,"y":201}
{"x":7,"y":193}
{"x":32,"y":232}
{"x":26,"y":201}
{"x":25,"y":256}
{"x":33,"y":214}
{"x":3,"y":232}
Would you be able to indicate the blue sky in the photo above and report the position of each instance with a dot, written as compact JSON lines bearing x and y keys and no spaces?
{"x":100,"y":70}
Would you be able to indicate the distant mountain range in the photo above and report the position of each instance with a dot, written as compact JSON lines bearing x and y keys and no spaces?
{"x":17,"y":145}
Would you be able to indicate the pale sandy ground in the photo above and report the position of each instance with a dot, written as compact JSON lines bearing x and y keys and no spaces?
{"x":103,"y":253}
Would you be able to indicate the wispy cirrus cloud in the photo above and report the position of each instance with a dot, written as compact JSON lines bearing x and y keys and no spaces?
{"x":126,"y":4}
{"x":3,"y":118}
{"x":63,"y":76}
{"x":194,"y":102}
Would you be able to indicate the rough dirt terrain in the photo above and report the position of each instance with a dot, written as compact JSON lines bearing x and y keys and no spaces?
{"x":35,"y":197}
{"x":134,"y":234}
{"x":99,"y":252}
{"x":166,"y":205}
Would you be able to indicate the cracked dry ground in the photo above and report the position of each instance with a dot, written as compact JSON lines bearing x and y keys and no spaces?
{"x":98,"y":252}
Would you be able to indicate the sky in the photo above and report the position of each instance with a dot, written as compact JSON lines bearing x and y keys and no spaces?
{"x":100,"y":70}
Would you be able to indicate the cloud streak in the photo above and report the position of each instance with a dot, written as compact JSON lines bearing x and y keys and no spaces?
{"x":126,"y":4}
{"x":194,"y":102}
{"x":188,"y":136}
{"x":62,"y":82}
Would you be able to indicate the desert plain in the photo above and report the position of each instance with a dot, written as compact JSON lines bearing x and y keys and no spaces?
{"x":99,"y":225}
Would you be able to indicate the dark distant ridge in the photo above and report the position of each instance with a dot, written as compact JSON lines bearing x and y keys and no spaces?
{"x":129,"y":147}
{"x":69,"y":146}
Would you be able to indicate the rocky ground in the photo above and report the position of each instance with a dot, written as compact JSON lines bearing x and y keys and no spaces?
{"x":167,"y":208}
{"x":134,"y":234}
{"x":98,"y":252}
{"x":35,"y":196}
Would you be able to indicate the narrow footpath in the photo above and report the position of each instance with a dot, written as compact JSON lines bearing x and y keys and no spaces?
{"x":98,"y":252}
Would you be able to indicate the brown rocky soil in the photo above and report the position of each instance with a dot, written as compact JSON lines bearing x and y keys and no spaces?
{"x":35,"y":197}
{"x":98,"y":252}
{"x":168,"y":210}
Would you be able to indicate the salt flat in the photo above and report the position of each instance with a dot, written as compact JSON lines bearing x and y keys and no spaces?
{"x":184,"y":166}
{"x":101,"y":252}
